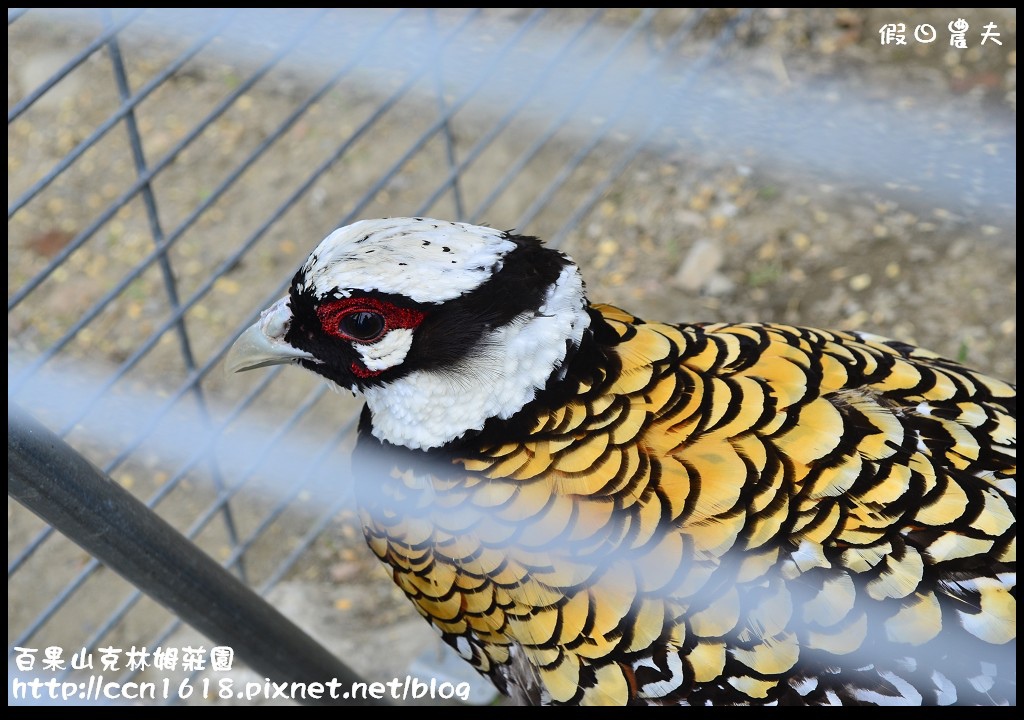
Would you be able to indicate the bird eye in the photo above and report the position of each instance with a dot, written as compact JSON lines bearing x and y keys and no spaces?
{"x":362,"y":325}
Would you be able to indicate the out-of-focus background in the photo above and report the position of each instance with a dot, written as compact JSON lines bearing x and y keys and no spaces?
{"x":169,"y":170}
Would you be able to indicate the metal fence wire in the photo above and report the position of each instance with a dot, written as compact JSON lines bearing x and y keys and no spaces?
{"x":169,"y":170}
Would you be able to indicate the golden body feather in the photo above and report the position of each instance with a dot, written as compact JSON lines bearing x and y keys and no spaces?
{"x":595,"y":509}
{"x":742,"y":513}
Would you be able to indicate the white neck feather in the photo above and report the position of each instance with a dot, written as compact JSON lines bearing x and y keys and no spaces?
{"x":426,"y":409}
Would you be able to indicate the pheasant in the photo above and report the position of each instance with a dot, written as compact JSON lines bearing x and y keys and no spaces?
{"x":595,"y":509}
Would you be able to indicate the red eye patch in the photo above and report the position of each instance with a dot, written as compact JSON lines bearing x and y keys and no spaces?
{"x":333,"y":317}
{"x":332,"y":313}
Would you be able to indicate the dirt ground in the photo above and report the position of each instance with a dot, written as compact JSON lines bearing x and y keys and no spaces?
{"x":695,"y":231}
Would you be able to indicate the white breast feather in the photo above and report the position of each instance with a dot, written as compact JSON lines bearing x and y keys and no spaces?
{"x":426,"y":409}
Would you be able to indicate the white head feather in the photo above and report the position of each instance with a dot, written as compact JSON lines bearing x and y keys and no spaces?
{"x":433,"y":261}
{"x":447,"y":260}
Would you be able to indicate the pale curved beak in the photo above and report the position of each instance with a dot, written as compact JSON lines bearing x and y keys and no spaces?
{"x":263,"y":343}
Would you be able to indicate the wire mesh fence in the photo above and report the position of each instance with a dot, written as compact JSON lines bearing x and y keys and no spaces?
{"x":168,"y":171}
